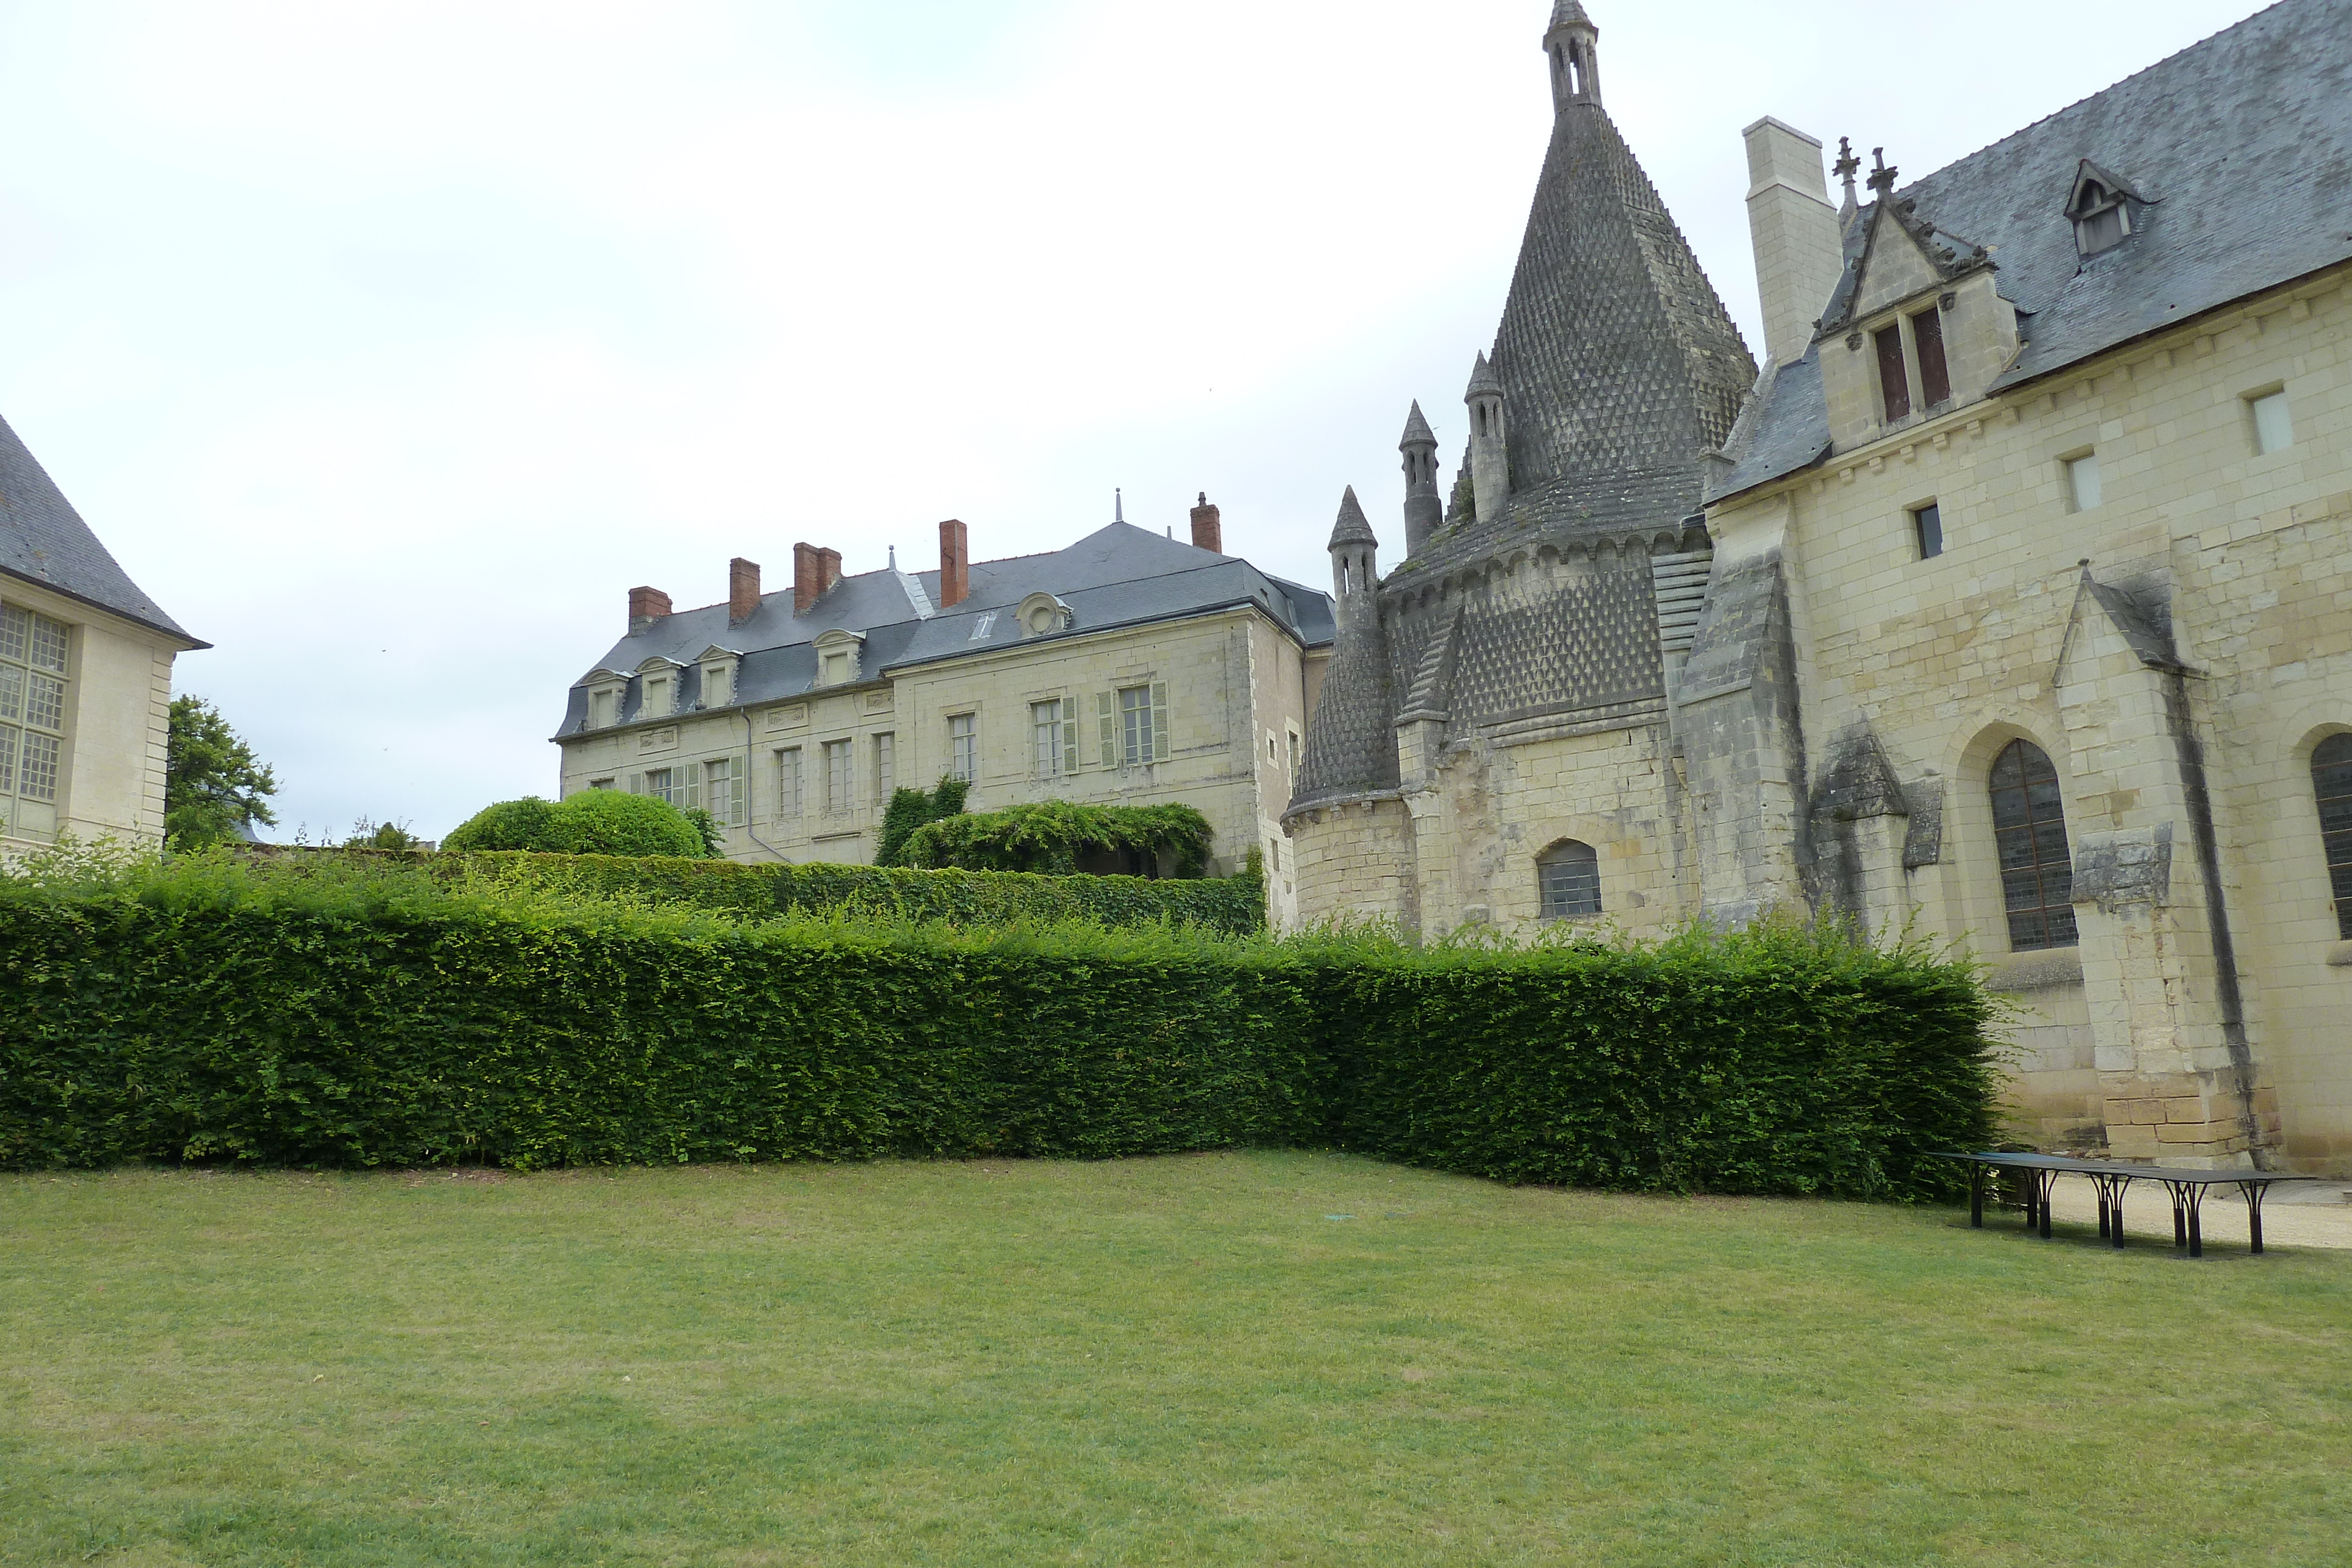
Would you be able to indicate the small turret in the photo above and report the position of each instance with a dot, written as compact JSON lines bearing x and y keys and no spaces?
{"x":1572,"y":42}
{"x":1355,"y":562}
{"x":1490,"y":463}
{"x":1424,"y":510}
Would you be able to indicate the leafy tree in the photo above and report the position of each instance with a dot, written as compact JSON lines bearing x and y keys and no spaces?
{"x":593,"y":823}
{"x":911,"y":809}
{"x":368,"y":835}
{"x":213,"y":784}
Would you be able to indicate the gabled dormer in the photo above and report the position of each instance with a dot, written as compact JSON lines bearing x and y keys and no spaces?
{"x":839,"y":655}
{"x":2104,"y":210}
{"x":607,"y":690}
{"x":1042,"y":615}
{"x":658,"y":682}
{"x":718,"y":667}
{"x":1918,"y":326}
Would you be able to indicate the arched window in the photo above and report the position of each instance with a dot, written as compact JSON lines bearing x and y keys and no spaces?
{"x":1567,"y":878}
{"x":2029,"y":824}
{"x":2331,"y":781}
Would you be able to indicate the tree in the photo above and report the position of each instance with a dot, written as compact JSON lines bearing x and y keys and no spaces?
{"x":593,"y":823}
{"x":387,"y":835}
{"x":212,"y":785}
{"x":909,"y":810}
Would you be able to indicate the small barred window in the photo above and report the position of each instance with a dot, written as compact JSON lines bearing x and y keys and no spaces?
{"x":2037,"y":873}
{"x":1567,"y":878}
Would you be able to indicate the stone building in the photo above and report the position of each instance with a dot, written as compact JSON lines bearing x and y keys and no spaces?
{"x":1128,"y":669}
{"x":2015,"y":608}
{"x":84,"y":674}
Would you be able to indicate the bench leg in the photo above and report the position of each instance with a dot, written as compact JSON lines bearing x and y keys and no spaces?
{"x":1975,"y":1197}
{"x":2116,"y":1207}
{"x":2049,"y":1180}
{"x":2196,"y":1233}
{"x":2180,"y":1214}
{"x":2254,"y":1191}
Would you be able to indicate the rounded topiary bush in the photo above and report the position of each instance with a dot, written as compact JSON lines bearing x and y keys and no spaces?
{"x":593,"y":823}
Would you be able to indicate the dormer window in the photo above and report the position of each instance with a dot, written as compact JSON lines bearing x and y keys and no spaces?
{"x":2101,"y":209}
{"x":658,"y":696}
{"x":837,"y":661}
{"x":604,"y":705}
{"x":1893,"y":382}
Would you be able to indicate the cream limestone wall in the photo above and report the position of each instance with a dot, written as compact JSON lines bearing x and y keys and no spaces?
{"x":2250,"y":556}
{"x":1232,"y":679}
{"x":118,"y":711}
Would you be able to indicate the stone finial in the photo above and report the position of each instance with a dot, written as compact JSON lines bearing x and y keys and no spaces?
{"x":1847,"y":165}
{"x":1882,"y":178}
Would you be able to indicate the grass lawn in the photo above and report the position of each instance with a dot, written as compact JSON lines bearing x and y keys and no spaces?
{"x":1256,"y":1358}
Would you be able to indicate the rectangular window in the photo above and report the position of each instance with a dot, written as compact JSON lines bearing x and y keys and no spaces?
{"x":885,"y":767}
{"x":10,"y":738}
{"x":787,"y":782}
{"x":964,"y":747}
{"x":33,"y":706}
{"x":1927,"y":527}
{"x":718,"y":686}
{"x":600,"y":709}
{"x":836,"y":669}
{"x":1292,"y":736}
{"x":837,"y":777}
{"x":1894,"y":385}
{"x":1045,"y":748}
{"x":2083,"y":481}
{"x":2273,"y":429}
{"x":722,"y":786}
{"x":1143,"y":723}
{"x":1928,"y":337}
{"x":39,"y":770}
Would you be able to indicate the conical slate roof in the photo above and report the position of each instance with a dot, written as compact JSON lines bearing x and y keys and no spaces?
{"x":1568,"y":14}
{"x":1416,"y":430}
{"x":1617,"y":359}
{"x":1352,"y":529}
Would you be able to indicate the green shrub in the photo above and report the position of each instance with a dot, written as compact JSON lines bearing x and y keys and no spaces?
{"x":361,"y":1011}
{"x":591,"y":823}
{"x":909,"y":810}
{"x":1054,"y":835}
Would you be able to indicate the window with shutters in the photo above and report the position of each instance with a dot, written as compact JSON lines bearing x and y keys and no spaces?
{"x":32,"y":718}
{"x":1142,"y":725}
{"x":885,"y":767}
{"x":1568,"y":881}
{"x":838,"y":777}
{"x":2331,"y":782}
{"x":964,"y":747}
{"x":787,"y":783}
{"x":1893,"y":383}
{"x":1053,"y":738}
{"x":681,"y":787}
{"x":1927,"y":340}
{"x":2037,"y":871}
{"x":722,"y":790}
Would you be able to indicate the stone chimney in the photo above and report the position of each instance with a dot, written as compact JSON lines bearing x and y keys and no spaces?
{"x":742,"y":591}
{"x":955,"y":564}
{"x":646,"y":605}
{"x":1208,"y":533}
{"x":1799,"y":250}
{"x":813,"y":571}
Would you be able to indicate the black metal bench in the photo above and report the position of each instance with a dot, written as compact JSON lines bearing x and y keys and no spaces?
{"x":2112,"y":1178}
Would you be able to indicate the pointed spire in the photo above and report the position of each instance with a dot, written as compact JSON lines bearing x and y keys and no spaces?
{"x":1118,"y":508}
{"x":894,"y":557}
{"x":1846,"y":164}
{"x":1416,"y":430}
{"x":1352,"y":529}
{"x":1484,"y":381}
{"x":1569,"y":13}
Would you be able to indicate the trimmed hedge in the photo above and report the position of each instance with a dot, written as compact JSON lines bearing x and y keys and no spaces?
{"x":373,"y":1016}
{"x":1233,"y":905}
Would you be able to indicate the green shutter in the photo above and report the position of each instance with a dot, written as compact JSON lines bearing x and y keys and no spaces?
{"x":1107,"y":708}
{"x":1159,"y":721}
{"x":1070,"y":741}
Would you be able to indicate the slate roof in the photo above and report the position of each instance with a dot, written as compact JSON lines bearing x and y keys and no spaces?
{"x":2241,"y":147}
{"x":43,"y":539}
{"x":1117,"y":576}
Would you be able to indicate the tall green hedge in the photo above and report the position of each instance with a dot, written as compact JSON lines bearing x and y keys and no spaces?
{"x":367,"y":1016}
{"x":1234,"y":906}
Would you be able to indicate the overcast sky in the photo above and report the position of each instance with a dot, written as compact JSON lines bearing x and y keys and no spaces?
{"x":389,"y":345}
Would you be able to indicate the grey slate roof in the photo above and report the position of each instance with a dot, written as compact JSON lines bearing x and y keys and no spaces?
{"x":1117,"y":576}
{"x":2241,"y":147}
{"x":43,"y":539}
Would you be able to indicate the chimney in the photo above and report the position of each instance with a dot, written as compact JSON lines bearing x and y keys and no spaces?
{"x":1800,"y":253}
{"x":955,"y":565}
{"x":813,"y":571}
{"x":646,"y":605}
{"x":1207,"y":533}
{"x":742,"y":591}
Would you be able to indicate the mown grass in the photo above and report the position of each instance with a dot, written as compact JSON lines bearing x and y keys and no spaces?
{"x":1261,"y":1358}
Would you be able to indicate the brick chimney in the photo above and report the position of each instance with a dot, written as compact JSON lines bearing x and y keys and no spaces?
{"x":646,"y":605}
{"x":955,"y":565}
{"x":812,"y":575}
{"x":828,"y":570}
{"x":742,"y":591}
{"x":1208,"y":533}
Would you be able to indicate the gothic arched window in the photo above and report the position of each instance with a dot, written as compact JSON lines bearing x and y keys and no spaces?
{"x":1567,"y":878}
{"x":2331,"y":782}
{"x":2029,"y":824}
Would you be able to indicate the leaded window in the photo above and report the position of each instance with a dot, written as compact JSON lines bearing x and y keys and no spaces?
{"x":2331,"y":781}
{"x":1567,"y":878}
{"x":32,"y":714}
{"x":2029,"y":824}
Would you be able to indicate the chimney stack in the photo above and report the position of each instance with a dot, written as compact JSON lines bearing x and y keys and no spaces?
{"x":1800,"y":251}
{"x":813,"y":571}
{"x":1207,"y":532}
{"x":742,"y":591}
{"x":646,"y":605}
{"x":955,"y":564}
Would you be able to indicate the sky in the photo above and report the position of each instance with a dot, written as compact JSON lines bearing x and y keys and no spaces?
{"x":388,"y":346}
